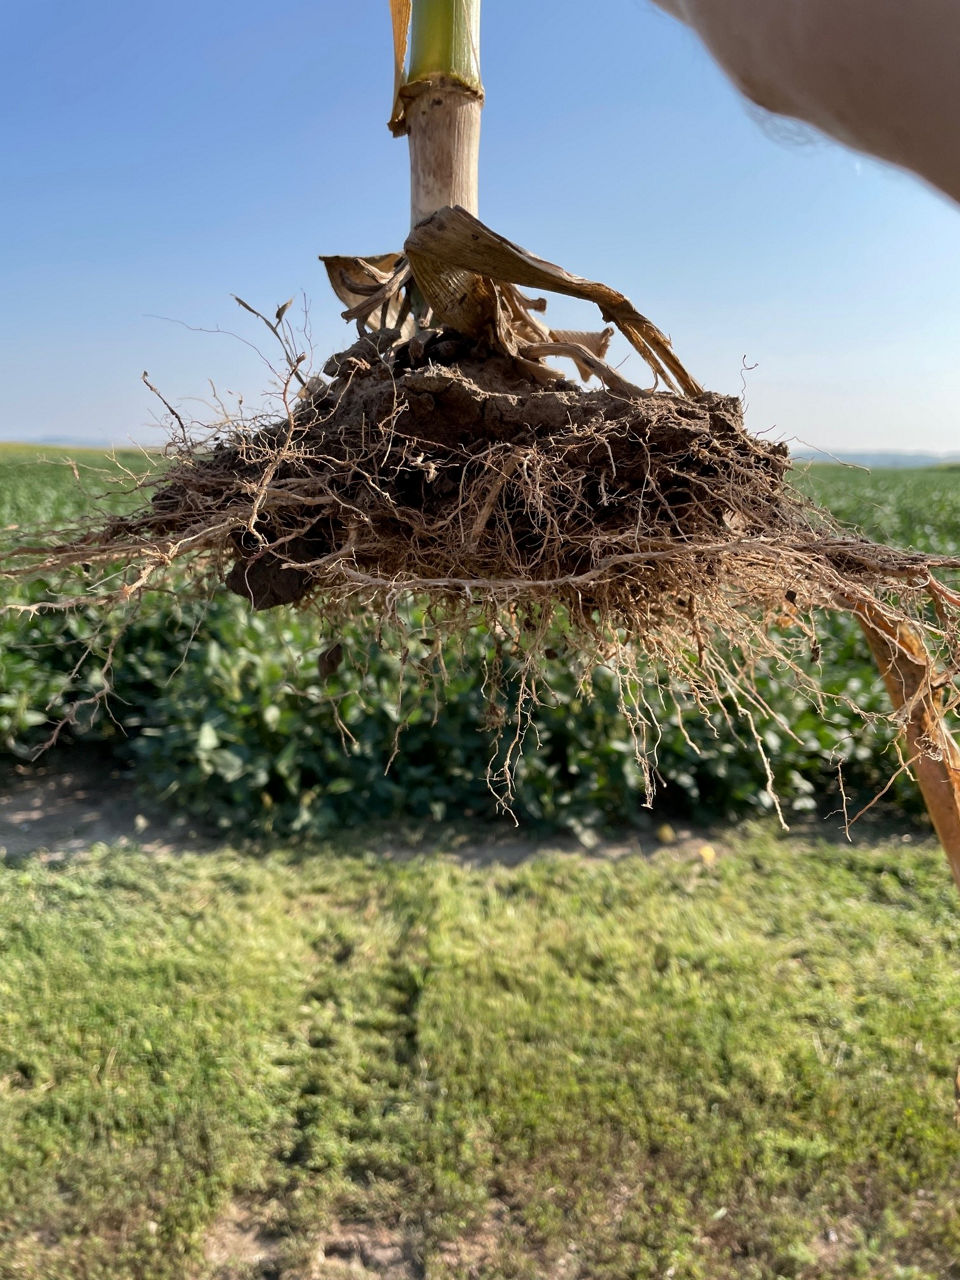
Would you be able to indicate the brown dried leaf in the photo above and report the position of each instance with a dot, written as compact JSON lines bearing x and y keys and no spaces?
{"x":373,"y":289}
{"x":595,"y":343}
{"x":598,"y":342}
{"x":400,"y":13}
{"x":452,"y":252}
{"x":587,"y":363}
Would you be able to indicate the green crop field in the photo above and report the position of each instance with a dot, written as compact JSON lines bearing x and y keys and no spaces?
{"x":917,"y":508}
{"x":51,"y":485}
{"x":353,"y":1056}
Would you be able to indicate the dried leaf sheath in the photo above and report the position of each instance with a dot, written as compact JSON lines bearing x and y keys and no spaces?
{"x":453,"y":242}
{"x":470,"y":278}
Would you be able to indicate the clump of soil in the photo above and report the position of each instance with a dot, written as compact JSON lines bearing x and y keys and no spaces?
{"x":473,"y":478}
{"x":445,"y":469}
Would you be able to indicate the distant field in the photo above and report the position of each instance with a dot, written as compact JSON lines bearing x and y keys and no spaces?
{"x":913,"y":508}
{"x":49,"y":485}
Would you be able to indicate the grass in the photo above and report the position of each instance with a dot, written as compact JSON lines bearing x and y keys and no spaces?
{"x":639,"y":1068}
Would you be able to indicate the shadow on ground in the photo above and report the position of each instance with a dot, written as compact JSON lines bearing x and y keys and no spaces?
{"x":56,"y":808}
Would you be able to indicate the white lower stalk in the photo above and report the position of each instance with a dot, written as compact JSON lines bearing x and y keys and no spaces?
{"x":443,"y":124}
{"x":439,"y":106}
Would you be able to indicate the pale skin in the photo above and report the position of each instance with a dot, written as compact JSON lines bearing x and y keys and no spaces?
{"x":882,"y":76}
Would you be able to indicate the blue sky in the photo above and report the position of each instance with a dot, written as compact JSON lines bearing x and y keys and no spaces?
{"x":159,"y":157}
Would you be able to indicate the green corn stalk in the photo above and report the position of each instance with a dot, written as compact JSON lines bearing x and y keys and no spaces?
{"x":445,"y":41}
{"x":438,"y":100}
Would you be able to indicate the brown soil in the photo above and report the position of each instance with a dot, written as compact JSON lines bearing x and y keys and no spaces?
{"x":76,"y":797}
{"x":445,"y":463}
{"x":238,"y":1245}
